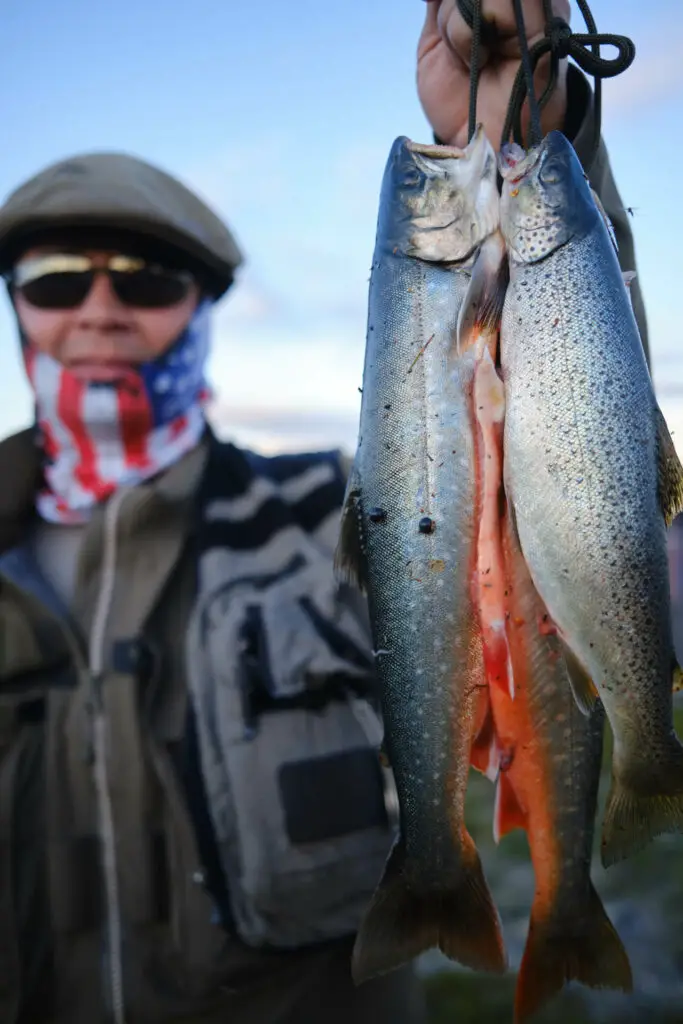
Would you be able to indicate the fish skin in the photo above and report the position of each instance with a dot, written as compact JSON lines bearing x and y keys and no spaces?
{"x":552,"y":773}
{"x":416,"y":459}
{"x":592,"y":477}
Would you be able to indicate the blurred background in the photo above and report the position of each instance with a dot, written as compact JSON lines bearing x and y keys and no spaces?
{"x":281,"y":116}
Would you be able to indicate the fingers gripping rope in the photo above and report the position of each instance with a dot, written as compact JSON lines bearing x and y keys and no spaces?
{"x":560,"y":42}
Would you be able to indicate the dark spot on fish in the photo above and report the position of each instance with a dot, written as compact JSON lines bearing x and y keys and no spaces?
{"x":360,"y":391}
{"x":426,"y":525}
{"x":377,"y":515}
{"x":387,"y":406}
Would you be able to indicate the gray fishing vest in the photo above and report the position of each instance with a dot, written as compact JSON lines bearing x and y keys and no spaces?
{"x":280,"y":672}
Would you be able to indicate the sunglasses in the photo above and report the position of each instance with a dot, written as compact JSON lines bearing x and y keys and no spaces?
{"x":64,"y":280}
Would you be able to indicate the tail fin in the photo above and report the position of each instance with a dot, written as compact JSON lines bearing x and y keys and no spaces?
{"x":586,"y":949}
{"x":633,"y":819}
{"x":408,"y":916}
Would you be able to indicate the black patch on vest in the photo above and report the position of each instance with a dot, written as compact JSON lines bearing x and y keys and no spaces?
{"x":329,"y":797}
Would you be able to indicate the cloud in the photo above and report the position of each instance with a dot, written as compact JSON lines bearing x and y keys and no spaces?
{"x":242,"y":179}
{"x":250,"y":302}
{"x":270,"y":428}
{"x":656,"y":73}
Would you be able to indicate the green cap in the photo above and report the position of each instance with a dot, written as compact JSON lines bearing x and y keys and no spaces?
{"x":120,"y":192}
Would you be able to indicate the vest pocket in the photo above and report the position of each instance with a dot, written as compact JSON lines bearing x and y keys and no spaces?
{"x":303,"y":812}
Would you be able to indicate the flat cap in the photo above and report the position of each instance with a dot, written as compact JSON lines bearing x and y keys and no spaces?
{"x":121,"y":192}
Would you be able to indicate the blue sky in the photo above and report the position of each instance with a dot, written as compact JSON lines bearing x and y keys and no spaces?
{"x":282,"y":117}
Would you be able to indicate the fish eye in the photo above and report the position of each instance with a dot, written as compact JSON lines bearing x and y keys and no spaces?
{"x":551,"y":173}
{"x":412,"y":177}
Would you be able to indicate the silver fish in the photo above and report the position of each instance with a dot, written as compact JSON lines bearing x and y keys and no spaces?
{"x":408,"y":536}
{"x":593,"y":478}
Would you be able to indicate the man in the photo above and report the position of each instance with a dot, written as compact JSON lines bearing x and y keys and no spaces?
{"x":192,"y":813}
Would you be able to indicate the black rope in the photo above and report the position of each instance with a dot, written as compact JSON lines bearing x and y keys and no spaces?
{"x":475,"y":55}
{"x":527,"y":69}
{"x":560,"y":42}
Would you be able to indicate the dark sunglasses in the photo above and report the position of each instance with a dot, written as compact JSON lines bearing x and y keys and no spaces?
{"x":63,"y":281}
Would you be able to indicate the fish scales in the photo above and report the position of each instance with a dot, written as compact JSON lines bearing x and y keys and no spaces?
{"x":421,"y":452}
{"x":586,"y":450}
{"x":409,"y":533}
{"x":552,"y":776}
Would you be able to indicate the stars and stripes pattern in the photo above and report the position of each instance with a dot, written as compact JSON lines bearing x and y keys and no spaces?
{"x":99,"y":437}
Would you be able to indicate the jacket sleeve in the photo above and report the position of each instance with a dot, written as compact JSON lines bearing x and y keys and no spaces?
{"x":579,"y":126}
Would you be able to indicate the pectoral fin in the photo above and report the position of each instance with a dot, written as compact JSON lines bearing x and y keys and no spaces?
{"x":482,"y":308}
{"x":583,"y":687}
{"x":607,"y":221}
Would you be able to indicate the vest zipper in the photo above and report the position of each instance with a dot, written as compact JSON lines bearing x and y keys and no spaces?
{"x":107,"y":832}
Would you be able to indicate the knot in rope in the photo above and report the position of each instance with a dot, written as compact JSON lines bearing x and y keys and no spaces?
{"x":560,"y":43}
{"x":559,"y":35}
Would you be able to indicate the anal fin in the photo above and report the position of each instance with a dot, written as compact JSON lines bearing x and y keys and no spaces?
{"x":485,"y":752}
{"x":507,"y":811}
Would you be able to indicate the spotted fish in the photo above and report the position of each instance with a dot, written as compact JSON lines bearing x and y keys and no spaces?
{"x":548,"y":755}
{"x":409,"y":537}
{"x":592,"y":478}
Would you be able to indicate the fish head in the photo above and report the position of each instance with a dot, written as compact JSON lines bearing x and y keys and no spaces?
{"x":546,"y":199}
{"x":440,"y":202}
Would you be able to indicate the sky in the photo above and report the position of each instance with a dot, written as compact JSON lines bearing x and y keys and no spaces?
{"x":281,"y":116}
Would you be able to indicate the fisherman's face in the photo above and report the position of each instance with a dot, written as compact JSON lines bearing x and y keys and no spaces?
{"x":99,"y":324}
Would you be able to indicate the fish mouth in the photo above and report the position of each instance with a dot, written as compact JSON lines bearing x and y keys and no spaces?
{"x":513,"y":169}
{"x":436,"y":151}
{"x":518,"y":170}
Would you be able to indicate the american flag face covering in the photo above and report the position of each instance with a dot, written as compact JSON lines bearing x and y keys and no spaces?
{"x":99,"y":437}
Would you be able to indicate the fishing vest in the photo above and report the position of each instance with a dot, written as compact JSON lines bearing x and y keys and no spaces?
{"x":238,"y":699}
{"x":280,"y":671}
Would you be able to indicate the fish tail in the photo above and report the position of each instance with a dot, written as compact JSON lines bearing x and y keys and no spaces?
{"x":587,"y":949}
{"x":632,"y":819}
{"x":406,"y":917}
